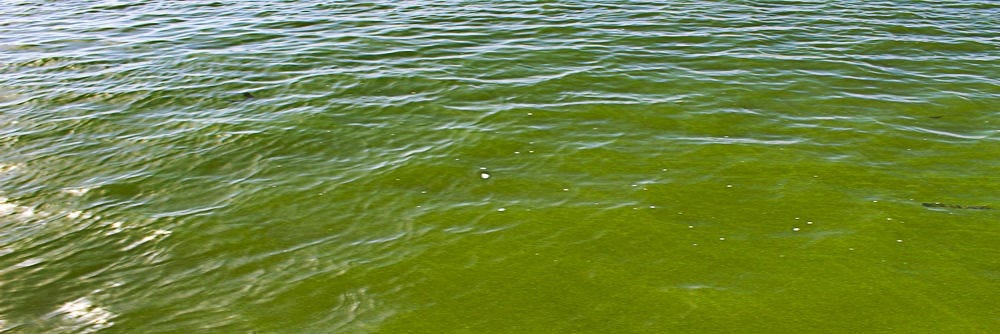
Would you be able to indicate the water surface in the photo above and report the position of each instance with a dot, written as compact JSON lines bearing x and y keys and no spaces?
{"x":655,"y":167}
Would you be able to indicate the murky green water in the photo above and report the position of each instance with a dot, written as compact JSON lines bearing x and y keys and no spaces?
{"x":499,"y":167}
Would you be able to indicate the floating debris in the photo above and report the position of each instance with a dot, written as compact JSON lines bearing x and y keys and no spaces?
{"x":484,"y":174}
{"x":957,"y":206}
{"x":243,"y":97}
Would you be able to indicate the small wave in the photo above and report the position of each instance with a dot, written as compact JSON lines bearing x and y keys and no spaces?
{"x":726,"y":140}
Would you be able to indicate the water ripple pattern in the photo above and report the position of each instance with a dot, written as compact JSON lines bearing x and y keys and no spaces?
{"x":498,"y":166}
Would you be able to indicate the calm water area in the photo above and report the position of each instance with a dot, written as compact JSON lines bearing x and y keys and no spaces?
{"x":500,"y":166}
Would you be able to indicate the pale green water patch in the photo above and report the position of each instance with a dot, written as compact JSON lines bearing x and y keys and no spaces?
{"x":311,"y":168}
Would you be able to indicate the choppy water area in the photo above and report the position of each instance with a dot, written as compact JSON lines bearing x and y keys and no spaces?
{"x":499,"y":167}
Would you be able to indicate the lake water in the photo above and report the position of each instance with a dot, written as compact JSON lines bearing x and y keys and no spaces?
{"x":500,"y":167}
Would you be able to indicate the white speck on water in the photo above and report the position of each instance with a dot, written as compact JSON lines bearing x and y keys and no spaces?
{"x":652,"y":207}
{"x":729,"y":186}
{"x":899,"y":240}
{"x":502,"y":209}
{"x":722,"y":239}
{"x":809,"y":223}
{"x":76,"y":191}
{"x":517,"y":152}
{"x":484,"y":175}
{"x":116,"y":227}
{"x":796,"y":229}
{"x":565,"y":189}
{"x":690,"y":226}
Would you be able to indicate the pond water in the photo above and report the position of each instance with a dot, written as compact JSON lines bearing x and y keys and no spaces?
{"x":499,"y":166}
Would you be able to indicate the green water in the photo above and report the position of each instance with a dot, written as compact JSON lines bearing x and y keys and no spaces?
{"x":654,"y":167}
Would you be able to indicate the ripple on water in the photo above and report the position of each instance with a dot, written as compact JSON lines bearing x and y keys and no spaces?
{"x":344,"y":193}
